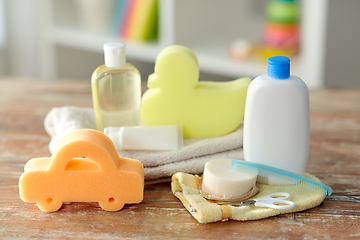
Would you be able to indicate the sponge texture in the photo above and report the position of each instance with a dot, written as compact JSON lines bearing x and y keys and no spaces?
{"x":175,"y":97}
{"x":85,"y":167}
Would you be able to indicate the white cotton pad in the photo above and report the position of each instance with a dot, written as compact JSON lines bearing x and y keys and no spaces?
{"x":221,"y":181}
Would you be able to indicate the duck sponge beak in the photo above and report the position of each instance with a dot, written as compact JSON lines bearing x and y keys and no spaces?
{"x":152,"y":83}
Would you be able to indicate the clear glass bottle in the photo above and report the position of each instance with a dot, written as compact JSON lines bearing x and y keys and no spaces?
{"x":116,"y":90}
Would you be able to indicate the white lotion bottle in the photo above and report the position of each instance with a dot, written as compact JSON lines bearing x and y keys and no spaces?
{"x":277,"y":120}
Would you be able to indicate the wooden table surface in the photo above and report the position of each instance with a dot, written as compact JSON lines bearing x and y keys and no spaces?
{"x":334,"y":159}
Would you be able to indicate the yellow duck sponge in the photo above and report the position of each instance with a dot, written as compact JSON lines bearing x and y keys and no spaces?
{"x":176,"y":97}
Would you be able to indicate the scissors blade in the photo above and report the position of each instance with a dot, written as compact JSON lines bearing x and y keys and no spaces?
{"x":242,"y":203}
{"x":248,"y":203}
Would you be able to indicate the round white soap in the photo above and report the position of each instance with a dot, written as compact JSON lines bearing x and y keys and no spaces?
{"x":222,"y":181}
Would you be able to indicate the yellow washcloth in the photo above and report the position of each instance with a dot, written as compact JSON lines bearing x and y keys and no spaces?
{"x":186,"y":188}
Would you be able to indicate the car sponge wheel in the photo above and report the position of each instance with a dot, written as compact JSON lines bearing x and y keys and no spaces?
{"x":49,"y":205}
{"x":111,"y":204}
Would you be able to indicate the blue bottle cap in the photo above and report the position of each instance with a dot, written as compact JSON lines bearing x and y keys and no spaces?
{"x":278,"y":67}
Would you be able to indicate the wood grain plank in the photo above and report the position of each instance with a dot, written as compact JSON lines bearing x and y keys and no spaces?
{"x":334,"y":159}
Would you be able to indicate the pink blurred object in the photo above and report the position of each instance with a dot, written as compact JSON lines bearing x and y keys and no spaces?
{"x":281,"y":35}
{"x":241,"y":50}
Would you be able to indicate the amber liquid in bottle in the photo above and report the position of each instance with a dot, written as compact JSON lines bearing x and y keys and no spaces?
{"x":116,"y":96}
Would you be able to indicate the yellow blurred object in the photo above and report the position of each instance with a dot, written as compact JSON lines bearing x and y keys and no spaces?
{"x":265,"y":52}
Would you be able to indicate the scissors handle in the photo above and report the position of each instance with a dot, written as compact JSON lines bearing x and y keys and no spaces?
{"x":272,"y":200}
{"x":285,"y":204}
{"x":275,"y":196}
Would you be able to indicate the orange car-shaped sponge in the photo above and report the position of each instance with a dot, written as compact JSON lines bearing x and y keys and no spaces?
{"x":85,"y":167}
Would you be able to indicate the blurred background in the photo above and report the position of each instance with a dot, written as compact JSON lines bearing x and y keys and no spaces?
{"x":63,"y":39}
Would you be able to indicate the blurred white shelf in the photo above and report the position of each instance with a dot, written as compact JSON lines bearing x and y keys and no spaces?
{"x":93,"y":42}
{"x":222,"y":65}
{"x":207,"y":32}
{"x":214,"y":61}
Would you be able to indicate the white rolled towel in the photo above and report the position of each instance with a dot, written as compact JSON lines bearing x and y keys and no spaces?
{"x":157,"y":164}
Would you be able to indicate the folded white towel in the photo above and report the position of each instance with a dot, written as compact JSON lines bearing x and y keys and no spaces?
{"x":157,"y":164}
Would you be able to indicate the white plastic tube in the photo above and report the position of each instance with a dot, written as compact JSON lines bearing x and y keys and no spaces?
{"x":277,"y":120}
{"x":153,"y":138}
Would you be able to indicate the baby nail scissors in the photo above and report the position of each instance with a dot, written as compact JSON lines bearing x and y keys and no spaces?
{"x":274,"y":200}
